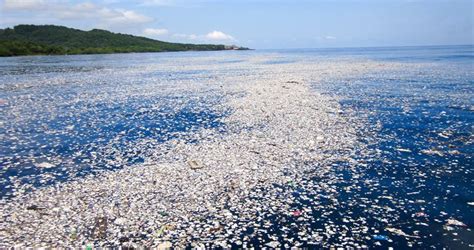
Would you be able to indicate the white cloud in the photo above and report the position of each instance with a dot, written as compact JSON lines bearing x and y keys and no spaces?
{"x":330,"y":37}
{"x":103,"y":16}
{"x":24,"y":4}
{"x":218,"y":35}
{"x":209,"y":37}
{"x":155,"y":32}
{"x":84,"y":6}
{"x":120,"y":16}
{"x":78,"y":11}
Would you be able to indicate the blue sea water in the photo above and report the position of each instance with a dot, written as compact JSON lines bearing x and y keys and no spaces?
{"x":87,"y":114}
{"x":419,"y":130}
{"x":80,"y":112}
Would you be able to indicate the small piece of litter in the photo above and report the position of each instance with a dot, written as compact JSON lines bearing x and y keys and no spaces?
{"x":297,"y":213}
{"x":194,"y":164}
{"x":454,"y":222}
{"x":399,"y":232}
{"x":45,"y":165}
{"x":165,"y":245}
{"x":405,"y":150}
{"x":273,"y":244}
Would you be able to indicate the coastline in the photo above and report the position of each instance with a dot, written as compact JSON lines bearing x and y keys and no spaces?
{"x":130,"y":52}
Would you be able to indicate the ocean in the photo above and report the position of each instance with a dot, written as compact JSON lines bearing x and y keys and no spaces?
{"x":69,"y":117}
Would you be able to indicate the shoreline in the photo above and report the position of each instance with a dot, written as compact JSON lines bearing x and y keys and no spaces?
{"x":132,"y":52}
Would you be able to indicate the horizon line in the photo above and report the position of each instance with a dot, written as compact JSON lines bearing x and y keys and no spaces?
{"x":371,"y":46}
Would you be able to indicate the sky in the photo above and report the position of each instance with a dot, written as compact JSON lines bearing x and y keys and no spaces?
{"x":261,"y":24}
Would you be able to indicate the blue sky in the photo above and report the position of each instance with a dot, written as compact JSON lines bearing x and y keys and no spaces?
{"x":261,"y":23}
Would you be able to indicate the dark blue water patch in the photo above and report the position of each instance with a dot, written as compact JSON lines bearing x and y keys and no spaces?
{"x":418,"y":128}
{"x":432,"y":58}
{"x":232,"y":61}
{"x":34,"y":69}
{"x":34,"y":65}
{"x":367,"y":204}
{"x":457,"y":57}
{"x":75,"y":143}
{"x":77,"y":116}
{"x":278,"y":61}
{"x":409,"y":54}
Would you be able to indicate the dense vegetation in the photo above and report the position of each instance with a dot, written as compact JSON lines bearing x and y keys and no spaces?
{"x":59,"y":40}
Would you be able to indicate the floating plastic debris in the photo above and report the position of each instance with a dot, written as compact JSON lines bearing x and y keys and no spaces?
{"x":273,"y":244}
{"x":297,"y":213}
{"x":165,"y":245}
{"x":400,"y":232}
{"x":45,"y":165}
{"x":454,"y":222}
{"x":432,"y":152}
{"x":197,"y":151}
{"x":420,"y":214}
{"x":404,"y":150}
{"x":194,"y":164}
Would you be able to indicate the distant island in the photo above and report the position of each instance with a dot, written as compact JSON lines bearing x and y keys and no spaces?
{"x":60,"y":40}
